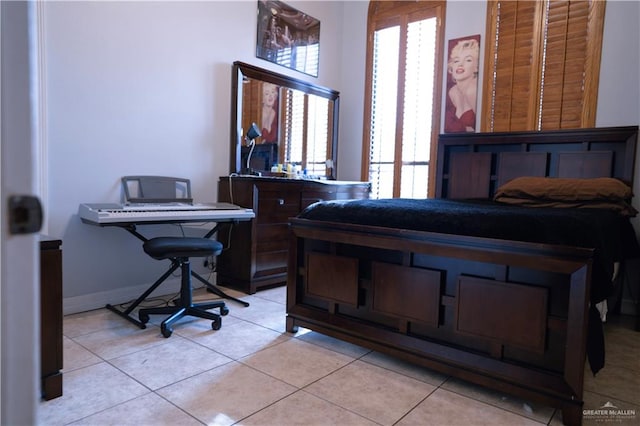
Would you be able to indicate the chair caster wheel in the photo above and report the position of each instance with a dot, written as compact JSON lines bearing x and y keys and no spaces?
{"x":144,"y":318}
{"x":224,"y":310}
{"x":216,"y":324}
{"x":166,"y":331}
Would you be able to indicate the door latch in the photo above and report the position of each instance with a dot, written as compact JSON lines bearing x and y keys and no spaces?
{"x":25,"y":214}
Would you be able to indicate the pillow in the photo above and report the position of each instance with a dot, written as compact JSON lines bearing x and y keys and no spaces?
{"x":599,"y":193}
{"x":566,"y":189}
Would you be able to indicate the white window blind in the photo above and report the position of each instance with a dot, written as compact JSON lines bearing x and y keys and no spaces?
{"x":401,"y":126}
{"x":317,"y":135}
{"x":294,"y":127}
{"x":307,"y":58}
{"x":306,"y":130}
{"x":384,"y":94}
{"x":418,"y":98}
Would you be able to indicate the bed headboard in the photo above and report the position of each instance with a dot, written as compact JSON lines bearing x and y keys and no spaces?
{"x":474,"y":165}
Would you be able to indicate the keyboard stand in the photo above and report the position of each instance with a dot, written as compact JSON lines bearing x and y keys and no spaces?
{"x":131,"y":228}
{"x":125,"y":314}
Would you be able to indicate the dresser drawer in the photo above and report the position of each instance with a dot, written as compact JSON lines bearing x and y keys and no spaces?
{"x":277,"y":206}
{"x":272,"y":262}
{"x":259,"y":251}
{"x":310,"y":197}
{"x":272,"y":237}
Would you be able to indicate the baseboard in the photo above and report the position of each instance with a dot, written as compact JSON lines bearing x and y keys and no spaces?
{"x":88,"y":302}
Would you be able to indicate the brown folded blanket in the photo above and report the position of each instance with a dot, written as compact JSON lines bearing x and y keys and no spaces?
{"x":598,"y":193}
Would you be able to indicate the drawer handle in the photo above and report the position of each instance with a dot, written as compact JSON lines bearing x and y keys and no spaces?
{"x":280,"y":201}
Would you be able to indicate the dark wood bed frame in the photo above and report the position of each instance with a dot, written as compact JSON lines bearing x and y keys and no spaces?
{"x":508,"y":315}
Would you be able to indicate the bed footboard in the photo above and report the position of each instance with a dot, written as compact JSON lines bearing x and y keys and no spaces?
{"x":508,"y":315}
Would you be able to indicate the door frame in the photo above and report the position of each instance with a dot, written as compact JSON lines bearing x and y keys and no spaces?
{"x":19,"y":260}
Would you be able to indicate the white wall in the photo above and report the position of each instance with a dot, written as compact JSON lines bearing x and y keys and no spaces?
{"x":619,"y":103}
{"x":144,"y":87}
{"x":351,"y":89}
{"x":619,"y":86}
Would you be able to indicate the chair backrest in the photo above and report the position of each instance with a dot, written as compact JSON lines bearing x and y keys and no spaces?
{"x":156,"y":189}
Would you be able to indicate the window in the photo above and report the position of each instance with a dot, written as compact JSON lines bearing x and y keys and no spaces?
{"x":403,"y":89}
{"x":306,"y":131}
{"x":544,"y":62}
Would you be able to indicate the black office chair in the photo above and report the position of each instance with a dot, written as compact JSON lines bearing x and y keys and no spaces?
{"x":179,"y":250}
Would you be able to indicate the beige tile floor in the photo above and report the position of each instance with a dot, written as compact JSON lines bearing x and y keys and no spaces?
{"x":251,"y":372}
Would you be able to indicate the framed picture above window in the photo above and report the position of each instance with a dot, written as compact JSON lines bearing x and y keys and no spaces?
{"x":462,"y":84}
{"x":288,"y":37}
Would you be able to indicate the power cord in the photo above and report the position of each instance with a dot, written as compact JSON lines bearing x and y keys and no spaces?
{"x":231,"y":186}
{"x":210,"y":263}
{"x":153,"y":302}
{"x":228,"y":245}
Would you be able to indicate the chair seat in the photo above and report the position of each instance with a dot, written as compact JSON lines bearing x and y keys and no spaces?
{"x":171,"y":247}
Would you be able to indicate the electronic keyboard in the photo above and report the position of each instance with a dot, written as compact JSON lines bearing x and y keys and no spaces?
{"x":100,"y":214}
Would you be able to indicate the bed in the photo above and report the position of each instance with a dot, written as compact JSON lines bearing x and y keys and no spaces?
{"x":482,"y":282}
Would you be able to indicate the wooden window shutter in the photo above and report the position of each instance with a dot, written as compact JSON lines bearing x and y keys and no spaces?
{"x":542,"y":65}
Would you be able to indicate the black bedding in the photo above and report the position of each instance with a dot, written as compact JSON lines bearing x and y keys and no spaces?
{"x":610,"y":235}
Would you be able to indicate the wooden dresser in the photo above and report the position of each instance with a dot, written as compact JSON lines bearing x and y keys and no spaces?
{"x":256,"y":252}
{"x":51,"y":317}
